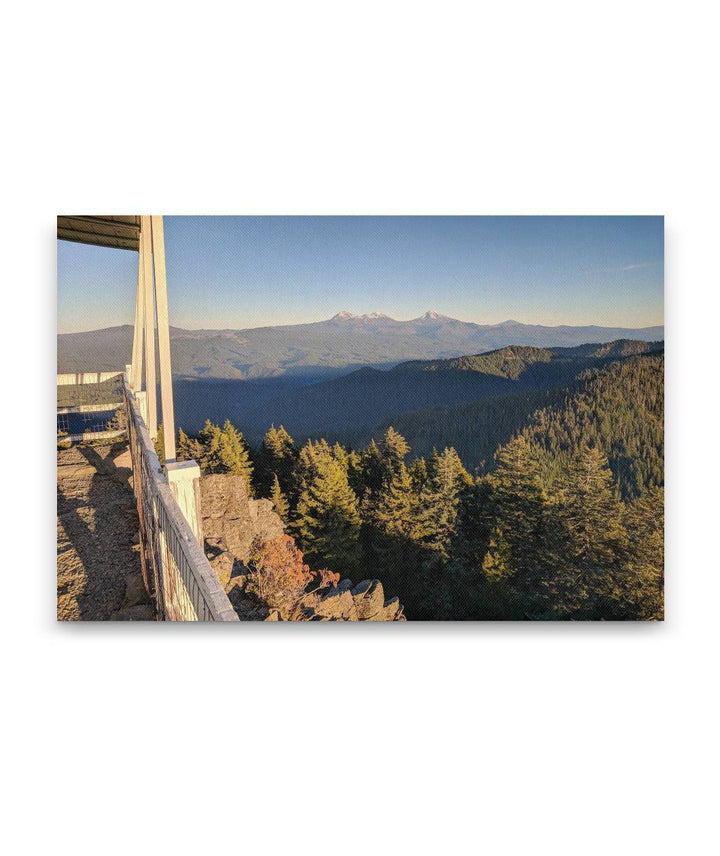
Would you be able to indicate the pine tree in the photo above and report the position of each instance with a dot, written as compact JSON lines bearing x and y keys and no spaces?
{"x":497,"y":562}
{"x":519,"y":507}
{"x":327,"y":521}
{"x":355,"y":473}
{"x":223,"y":450}
{"x":277,"y":456}
{"x":279,"y":502}
{"x":210,"y":440}
{"x":590,"y":537}
{"x":234,"y":456}
{"x":372,"y":468}
{"x":641,"y":594}
{"x":395,"y":506}
{"x":418,"y":471}
{"x":188,"y":448}
{"x":393,"y":448}
{"x":440,"y":501}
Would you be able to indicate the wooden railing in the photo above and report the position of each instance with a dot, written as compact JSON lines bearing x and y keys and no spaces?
{"x":175,"y":569}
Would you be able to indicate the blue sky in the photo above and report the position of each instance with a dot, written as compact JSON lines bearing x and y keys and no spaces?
{"x":237,"y":272}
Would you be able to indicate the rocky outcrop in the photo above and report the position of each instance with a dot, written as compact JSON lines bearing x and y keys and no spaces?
{"x":231,"y":521}
{"x":363,"y":602}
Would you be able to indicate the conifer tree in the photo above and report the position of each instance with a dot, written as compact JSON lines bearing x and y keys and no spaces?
{"x":223,"y":450}
{"x":355,"y":473}
{"x":497,"y":562}
{"x":440,"y":501}
{"x":188,"y":448}
{"x":642,"y":596}
{"x":278,"y":499}
{"x":393,"y":448}
{"x":372,"y":468}
{"x":210,"y":440}
{"x":341,"y":456}
{"x":418,"y":471}
{"x":519,"y":506}
{"x":584,"y":582}
{"x":234,"y":457}
{"x":327,"y":521}
{"x":396,"y":506}
{"x":277,"y":456}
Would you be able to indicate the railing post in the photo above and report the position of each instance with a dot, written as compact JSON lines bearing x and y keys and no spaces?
{"x":184,"y":479}
{"x":141,"y":398}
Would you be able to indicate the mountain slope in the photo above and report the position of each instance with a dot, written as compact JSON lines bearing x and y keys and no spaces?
{"x":368,"y":397}
{"x":619,"y":404}
{"x":325,"y":348}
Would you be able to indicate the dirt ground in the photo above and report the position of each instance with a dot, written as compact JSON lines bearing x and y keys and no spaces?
{"x":98,"y":563}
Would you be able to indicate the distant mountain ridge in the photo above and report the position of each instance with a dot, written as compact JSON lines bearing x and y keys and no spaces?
{"x":326,"y":349}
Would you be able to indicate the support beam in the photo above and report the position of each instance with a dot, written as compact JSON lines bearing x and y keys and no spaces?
{"x":138,"y":334}
{"x":163,"y":327}
{"x":150,"y":379}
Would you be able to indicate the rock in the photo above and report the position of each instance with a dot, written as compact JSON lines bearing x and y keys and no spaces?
{"x":391,"y":611}
{"x":338,"y":603}
{"x":369,"y":599}
{"x":134,"y":591}
{"x":231,"y":520}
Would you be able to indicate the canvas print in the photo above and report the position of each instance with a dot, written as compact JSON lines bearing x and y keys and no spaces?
{"x":378,"y":419}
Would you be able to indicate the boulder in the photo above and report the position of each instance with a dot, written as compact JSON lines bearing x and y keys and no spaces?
{"x":369,"y":599}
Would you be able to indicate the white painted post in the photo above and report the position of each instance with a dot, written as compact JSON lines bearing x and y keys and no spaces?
{"x":184,"y":482}
{"x":137,"y":350}
{"x":163,"y":325}
{"x":150,"y":381}
{"x":141,"y":398}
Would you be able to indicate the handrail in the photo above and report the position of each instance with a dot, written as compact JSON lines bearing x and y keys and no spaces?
{"x":175,"y":568}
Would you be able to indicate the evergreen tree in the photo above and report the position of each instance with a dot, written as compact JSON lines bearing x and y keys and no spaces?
{"x":279,"y":502}
{"x":396,"y":505}
{"x":418,"y":474}
{"x":234,"y":456}
{"x":223,"y":450}
{"x":355,"y":472}
{"x":498,"y":559}
{"x":327,"y":520}
{"x":210,"y":440}
{"x":188,"y":448}
{"x":277,"y":457}
{"x":590,"y":536}
{"x":440,"y":501}
{"x":393,"y":449}
{"x":371,"y":465}
{"x":642,"y":595}
{"x":519,"y":507}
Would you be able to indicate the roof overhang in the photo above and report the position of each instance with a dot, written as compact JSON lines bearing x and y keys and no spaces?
{"x":120,"y":232}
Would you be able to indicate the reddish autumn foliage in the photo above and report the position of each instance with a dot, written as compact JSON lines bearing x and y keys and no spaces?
{"x":280,"y":577}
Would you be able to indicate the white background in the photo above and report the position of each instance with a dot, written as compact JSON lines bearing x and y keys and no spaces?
{"x":354,"y":739}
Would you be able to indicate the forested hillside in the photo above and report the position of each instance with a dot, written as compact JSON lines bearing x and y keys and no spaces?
{"x":621,"y":407}
{"x":566,"y":522}
{"x":370,"y":397}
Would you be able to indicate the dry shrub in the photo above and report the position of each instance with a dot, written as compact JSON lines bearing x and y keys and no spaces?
{"x":279,"y":576}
